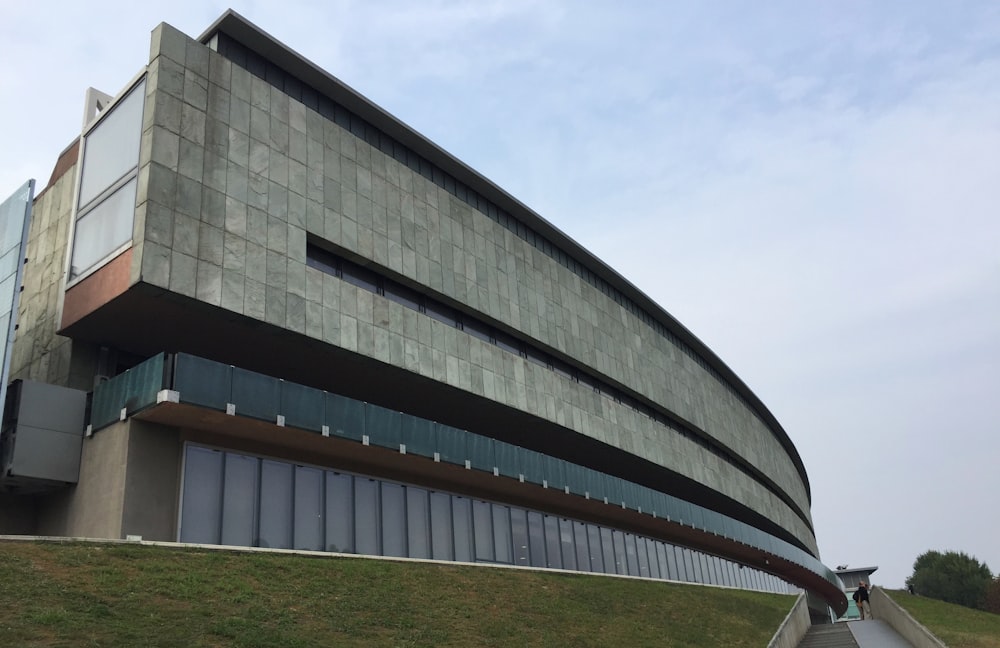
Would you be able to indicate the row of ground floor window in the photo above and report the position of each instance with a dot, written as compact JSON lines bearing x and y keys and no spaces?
{"x":231,"y":498}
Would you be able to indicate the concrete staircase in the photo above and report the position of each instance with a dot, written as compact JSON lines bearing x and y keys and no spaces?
{"x":834,"y":635}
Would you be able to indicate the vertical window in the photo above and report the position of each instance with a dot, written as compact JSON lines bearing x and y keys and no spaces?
{"x":482,"y":522}
{"x":661,"y":559}
{"x":553,"y":554}
{"x":673,"y":570}
{"x":442,"y":546}
{"x":461,"y":511}
{"x":582,"y":546}
{"x":654,"y":566}
{"x":308,"y":509}
{"x":393,"y":520}
{"x":536,"y":539}
{"x":502,"y":534}
{"x":608,"y":549}
{"x":275,"y":505}
{"x":596,"y":553}
{"x":239,"y":500}
{"x":201,"y":500}
{"x":366,"y":516}
{"x":566,"y":543}
{"x":418,"y":522}
{"x":106,"y":196}
{"x":621,"y":566}
{"x":339,"y":512}
{"x":519,"y":536}
{"x":631,"y":555}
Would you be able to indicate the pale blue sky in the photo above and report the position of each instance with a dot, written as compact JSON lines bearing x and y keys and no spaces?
{"x":810,"y":187}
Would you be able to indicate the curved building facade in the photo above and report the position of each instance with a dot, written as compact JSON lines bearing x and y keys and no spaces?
{"x":305,"y":325}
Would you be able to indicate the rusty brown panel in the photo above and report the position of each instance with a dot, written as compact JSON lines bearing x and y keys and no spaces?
{"x":97,"y":289}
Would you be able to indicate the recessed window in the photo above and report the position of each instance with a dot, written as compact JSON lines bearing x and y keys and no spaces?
{"x":106,"y":197}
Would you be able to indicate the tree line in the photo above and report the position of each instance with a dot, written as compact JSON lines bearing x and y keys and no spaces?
{"x":955,"y":577}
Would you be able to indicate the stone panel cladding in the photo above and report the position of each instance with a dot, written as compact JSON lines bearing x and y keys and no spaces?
{"x":39,"y":353}
{"x":233,"y":176}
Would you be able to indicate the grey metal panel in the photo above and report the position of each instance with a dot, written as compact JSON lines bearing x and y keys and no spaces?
{"x":45,"y":438}
{"x":40,"y":453}
{"x":52,"y":407}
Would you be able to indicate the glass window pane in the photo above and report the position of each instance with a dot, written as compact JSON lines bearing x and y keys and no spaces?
{"x":111,"y":149}
{"x":201,"y":501}
{"x":308,"y":509}
{"x":661,"y":559}
{"x":239,"y":500}
{"x":654,"y":566}
{"x":519,"y":536}
{"x":608,"y":549}
{"x":393,"y":520}
{"x":366,"y":516}
{"x":104,"y":229}
{"x":536,"y":539}
{"x":553,"y":555}
{"x":673,"y":571}
{"x":275,"y":505}
{"x":418,"y":522}
{"x":689,"y":573}
{"x":501,"y":534}
{"x":339,"y":512}
{"x":596,"y":554}
{"x":482,"y":518}
{"x":582,"y":548}
{"x":631,"y":556}
{"x":566,"y":543}
{"x":442,"y":547}
{"x":461,"y":512}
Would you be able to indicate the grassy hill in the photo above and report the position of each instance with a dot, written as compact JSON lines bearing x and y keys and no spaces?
{"x":82,"y":594}
{"x":956,"y":626}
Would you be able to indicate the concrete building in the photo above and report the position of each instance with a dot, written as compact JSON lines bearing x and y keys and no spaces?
{"x":296,"y":322}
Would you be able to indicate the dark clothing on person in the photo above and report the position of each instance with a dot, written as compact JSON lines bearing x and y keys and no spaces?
{"x":861,"y":594}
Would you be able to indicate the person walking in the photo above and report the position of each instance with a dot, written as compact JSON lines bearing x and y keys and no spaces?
{"x":861,"y":599}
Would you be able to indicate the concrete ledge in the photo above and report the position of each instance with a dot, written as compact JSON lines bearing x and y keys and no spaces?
{"x":887,"y":610}
{"x":794,"y":627}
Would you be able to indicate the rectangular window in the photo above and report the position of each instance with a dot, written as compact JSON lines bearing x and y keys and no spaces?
{"x":107,"y":191}
{"x":482,"y":518}
{"x":393,"y":520}
{"x":519,"y":536}
{"x":582,"y":548}
{"x":239,"y":503}
{"x":553,"y":553}
{"x":566,"y":543}
{"x":418,"y":522}
{"x":339,"y":512}
{"x":366,"y":516}
{"x":201,"y":499}
{"x":442,"y":544}
{"x":596,"y":552}
{"x":461,"y":512}
{"x":308,"y":509}
{"x":536,"y":539}
{"x":275,"y":505}
{"x":502,"y":534}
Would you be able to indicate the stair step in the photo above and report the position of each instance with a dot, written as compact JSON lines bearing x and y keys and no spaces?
{"x":836,"y":635}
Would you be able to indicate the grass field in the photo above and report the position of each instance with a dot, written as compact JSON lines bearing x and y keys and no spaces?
{"x":79,"y":594}
{"x":956,"y":626}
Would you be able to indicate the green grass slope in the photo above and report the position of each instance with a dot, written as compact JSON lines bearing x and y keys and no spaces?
{"x":956,"y":626}
{"x":56,"y":594}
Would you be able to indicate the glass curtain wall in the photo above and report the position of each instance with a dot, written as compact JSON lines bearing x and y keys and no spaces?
{"x":230,"y":498}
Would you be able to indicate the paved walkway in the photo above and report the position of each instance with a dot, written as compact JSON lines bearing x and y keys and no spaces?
{"x":876,"y":634}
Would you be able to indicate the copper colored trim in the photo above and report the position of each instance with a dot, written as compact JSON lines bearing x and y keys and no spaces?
{"x":98,"y":289}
